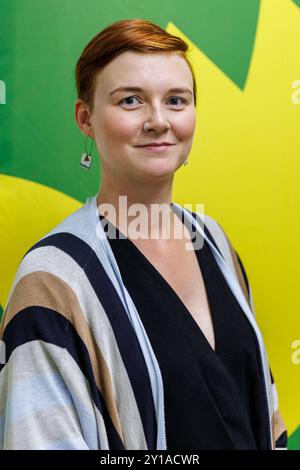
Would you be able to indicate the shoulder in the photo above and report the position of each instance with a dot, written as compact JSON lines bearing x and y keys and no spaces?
{"x":219,"y":236}
{"x":48,"y":273}
{"x":66,"y":246}
{"x":79,"y":229}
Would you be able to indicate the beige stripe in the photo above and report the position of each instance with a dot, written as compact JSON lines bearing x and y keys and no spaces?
{"x":47,"y":290}
{"x":278,"y":425}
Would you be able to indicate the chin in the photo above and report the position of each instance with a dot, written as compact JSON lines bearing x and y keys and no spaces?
{"x":159,"y":170}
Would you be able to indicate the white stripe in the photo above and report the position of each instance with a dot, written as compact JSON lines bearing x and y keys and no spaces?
{"x":47,"y":400}
{"x":275,"y":396}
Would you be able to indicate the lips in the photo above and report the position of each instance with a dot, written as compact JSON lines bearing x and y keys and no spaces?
{"x":155,"y":148}
{"x":155,"y":145}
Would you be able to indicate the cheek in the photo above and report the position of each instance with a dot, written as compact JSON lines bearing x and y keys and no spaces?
{"x":185,"y":127}
{"x":119,"y":128}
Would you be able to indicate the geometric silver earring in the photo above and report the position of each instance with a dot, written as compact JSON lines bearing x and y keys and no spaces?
{"x":86,"y":157}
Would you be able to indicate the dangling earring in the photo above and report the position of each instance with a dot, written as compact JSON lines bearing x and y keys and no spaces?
{"x":186,"y":162}
{"x":86,"y":157}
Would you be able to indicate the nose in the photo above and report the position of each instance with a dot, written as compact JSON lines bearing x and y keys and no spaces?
{"x":156,"y":120}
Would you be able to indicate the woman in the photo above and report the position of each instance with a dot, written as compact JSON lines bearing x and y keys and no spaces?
{"x":135,"y":342}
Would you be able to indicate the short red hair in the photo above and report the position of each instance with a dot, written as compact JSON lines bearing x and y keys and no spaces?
{"x":124,"y":35}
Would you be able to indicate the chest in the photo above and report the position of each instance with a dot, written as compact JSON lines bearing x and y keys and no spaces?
{"x":180,"y":269}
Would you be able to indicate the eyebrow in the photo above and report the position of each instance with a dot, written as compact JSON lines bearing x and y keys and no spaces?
{"x":136,"y":88}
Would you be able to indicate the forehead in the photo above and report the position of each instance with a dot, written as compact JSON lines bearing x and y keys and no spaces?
{"x":138,"y":69}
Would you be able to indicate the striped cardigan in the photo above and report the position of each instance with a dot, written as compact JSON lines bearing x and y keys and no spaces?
{"x":78,"y":370}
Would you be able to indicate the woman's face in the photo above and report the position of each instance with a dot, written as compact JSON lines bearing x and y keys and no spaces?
{"x":119,"y":116}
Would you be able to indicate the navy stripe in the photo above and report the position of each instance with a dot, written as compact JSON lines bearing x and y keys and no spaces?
{"x":282,"y":440}
{"x":126,"y":338}
{"x":40,"y":323}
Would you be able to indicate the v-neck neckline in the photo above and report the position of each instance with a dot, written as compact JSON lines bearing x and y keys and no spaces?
{"x":166,"y":284}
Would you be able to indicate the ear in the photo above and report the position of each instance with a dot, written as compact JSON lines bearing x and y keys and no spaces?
{"x":82,"y":117}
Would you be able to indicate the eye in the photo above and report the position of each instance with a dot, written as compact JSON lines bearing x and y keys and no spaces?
{"x":127,"y":98}
{"x":178,"y":97}
{"x":124,"y":100}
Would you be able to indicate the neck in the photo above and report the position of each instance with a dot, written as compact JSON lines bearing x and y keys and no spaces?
{"x":116,"y":202}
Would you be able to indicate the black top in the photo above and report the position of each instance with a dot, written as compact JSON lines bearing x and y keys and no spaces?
{"x":213,"y":399}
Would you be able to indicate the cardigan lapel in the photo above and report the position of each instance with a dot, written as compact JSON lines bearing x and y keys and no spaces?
{"x":234,"y":282}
